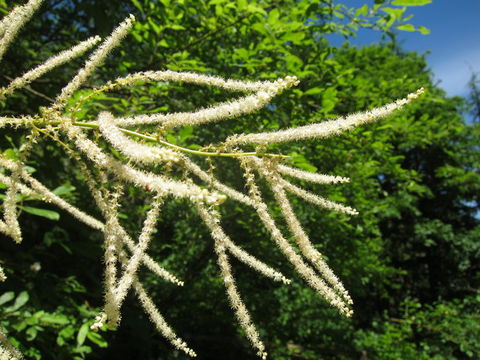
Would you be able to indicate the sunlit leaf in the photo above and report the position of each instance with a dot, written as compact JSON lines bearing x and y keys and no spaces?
{"x":406,"y":27}
{"x":21,"y":300}
{"x":6,"y":297}
{"x":411,"y":2}
{"x":82,"y":334}
{"x":49,"y":214}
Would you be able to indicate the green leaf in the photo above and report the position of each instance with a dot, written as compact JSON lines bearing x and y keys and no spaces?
{"x":82,"y":333}
{"x":176,"y":27}
{"x":362,"y":11}
{"x":241,"y":5}
{"x":154,"y":26}
{"x":273,"y":17}
{"x":301,"y":162}
{"x":251,"y":8}
{"x":137,"y":5}
{"x":137,"y":36}
{"x":97,"y":339}
{"x":185,"y":133}
{"x":58,"y":319}
{"x":31,"y":333}
{"x":65,"y":334}
{"x":21,"y":300}
{"x":395,"y":13}
{"x":423,"y":30}
{"x":85,"y":349}
{"x":33,"y":320}
{"x":329,"y":99}
{"x":63,"y":189}
{"x":10,"y":154}
{"x":411,"y":2}
{"x":294,"y":37}
{"x":406,"y":27}
{"x":313,"y":91}
{"x":163,"y":43}
{"x":8,"y":296}
{"x":49,"y":214}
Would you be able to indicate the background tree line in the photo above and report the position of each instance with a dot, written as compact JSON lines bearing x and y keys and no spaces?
{"x":410,"y":259}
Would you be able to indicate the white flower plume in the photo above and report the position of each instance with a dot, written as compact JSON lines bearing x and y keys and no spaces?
{"x":324,"y":129}
{"x":165,"y":171}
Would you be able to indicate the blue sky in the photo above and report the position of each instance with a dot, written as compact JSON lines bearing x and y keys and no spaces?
{"x":453,"y":44}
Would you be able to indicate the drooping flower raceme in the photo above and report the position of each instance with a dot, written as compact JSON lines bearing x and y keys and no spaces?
{"x":139,"y":160}
{"x":323,"y":129}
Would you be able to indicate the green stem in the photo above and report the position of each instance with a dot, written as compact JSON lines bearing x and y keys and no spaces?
{"x":91,"y":125}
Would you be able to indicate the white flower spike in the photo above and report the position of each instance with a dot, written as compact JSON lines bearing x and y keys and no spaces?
{"x":163,"y":171}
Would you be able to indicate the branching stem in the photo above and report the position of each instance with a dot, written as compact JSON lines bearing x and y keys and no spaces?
{"x":92,"y":125}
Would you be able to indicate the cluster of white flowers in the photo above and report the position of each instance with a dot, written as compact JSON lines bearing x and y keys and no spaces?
{"x":323,"y":129}
{"x":11,"y":23}
{"x":132,"y":149}
{"x":309,"y":274}
{"x":311,"y":177}
{"x":7,"y":350}
{"x":5,"y":354}
{"x":212,"y":220}
{"x":2,"y":272}
{"x":55,"y":61}
{"x":135,"y":163}
{"x":263,"y":94}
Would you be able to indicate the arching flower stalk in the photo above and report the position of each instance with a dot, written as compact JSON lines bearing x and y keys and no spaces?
{"x":140,"y":153}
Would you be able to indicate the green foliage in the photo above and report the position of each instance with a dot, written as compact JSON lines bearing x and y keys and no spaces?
{"x":38,"y":327}
{"x":443,"y":330}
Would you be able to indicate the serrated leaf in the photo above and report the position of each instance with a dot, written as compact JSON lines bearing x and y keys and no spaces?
{"x":49,"y":214}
